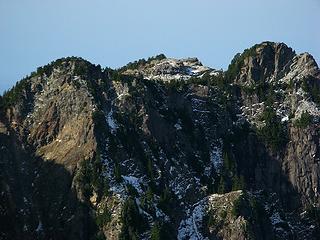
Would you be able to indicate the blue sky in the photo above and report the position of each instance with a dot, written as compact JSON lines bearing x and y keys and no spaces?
{"x":114,"y":32}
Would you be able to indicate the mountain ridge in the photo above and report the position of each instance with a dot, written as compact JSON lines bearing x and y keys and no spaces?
{"x":164,"y":142}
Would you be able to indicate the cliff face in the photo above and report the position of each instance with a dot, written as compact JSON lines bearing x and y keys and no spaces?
{"x":272,"y":76}
{"x":46,"y":133}
{"x":55,"y":115}
{"x":163,"y":149}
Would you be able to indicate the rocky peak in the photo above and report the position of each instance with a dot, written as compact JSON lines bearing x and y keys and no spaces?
{"x":173,"y":69}
{"x":265,"y":62}
{"x":273,"y":72}
{"x":271,"y":62}
{"x":50,"y":107}
{"x":279,"y":91}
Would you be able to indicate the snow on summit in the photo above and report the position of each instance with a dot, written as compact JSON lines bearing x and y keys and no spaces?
{"x":173,"y":69}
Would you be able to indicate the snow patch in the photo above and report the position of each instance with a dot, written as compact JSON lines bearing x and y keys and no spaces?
{"x":178,"y":125}
{"x":39,"y":227}
{"x":216,"y":158}
{"x":306,"y":106}
{"x":275,"y":218}
{"x":133,"y":181}
{"x":285,"y":119}
{"x":215,"y":161}
{"x":189,"y":228}
{"x":111,"y":122}
{"x":175,"y":69}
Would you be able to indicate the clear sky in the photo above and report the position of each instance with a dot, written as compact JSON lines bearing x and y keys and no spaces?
{"x":114,"y":32}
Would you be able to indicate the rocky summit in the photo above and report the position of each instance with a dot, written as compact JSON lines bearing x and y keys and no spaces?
{"x":164,"y":149}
